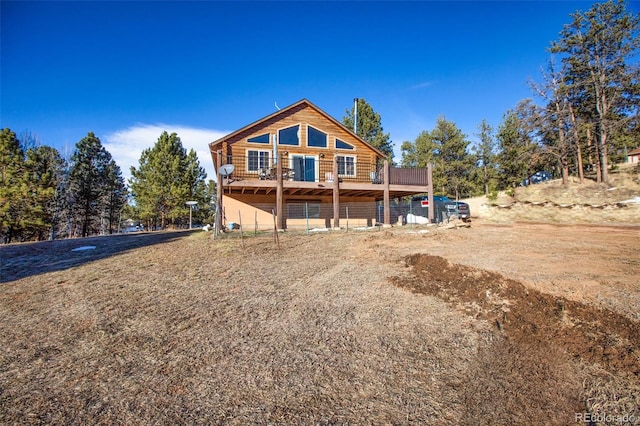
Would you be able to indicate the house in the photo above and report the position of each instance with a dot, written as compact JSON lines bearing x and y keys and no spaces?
{"x":303,"y":167}
{"x":633,"y":157}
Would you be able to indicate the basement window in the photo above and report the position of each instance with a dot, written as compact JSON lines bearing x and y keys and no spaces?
{"x":300,"y":210}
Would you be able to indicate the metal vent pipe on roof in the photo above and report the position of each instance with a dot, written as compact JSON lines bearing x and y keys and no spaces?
{"x":355,"y":116}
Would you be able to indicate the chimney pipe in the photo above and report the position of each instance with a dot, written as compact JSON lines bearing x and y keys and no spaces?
{"x":355,"y":116}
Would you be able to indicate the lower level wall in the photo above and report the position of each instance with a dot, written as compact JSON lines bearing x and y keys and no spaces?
{"x":256,"y":214}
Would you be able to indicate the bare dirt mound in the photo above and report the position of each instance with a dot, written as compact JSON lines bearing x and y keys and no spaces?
{"x":554,"y":356}
{"x":526,"y":316}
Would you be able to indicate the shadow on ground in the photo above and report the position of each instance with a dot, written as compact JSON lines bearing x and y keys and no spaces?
{"x":24,"y":260}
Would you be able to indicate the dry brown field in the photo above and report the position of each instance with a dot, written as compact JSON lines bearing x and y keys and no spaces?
{"x":500,"y":322}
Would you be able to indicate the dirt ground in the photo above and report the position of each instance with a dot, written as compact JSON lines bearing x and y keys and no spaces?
{"x":530,"y":315}
{"x":495,"y":323}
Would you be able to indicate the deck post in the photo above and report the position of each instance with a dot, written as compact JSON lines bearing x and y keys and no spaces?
{"x":336,"y":194}
{"x":387,"y":203}
{"x":219,"y":193}
{"x":432,"y":207}
{"x":279,"y":192}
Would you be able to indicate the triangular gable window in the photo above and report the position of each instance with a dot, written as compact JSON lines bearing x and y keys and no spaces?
{"x":289,"y":136}
{"x":343,"y":145}
{"x":316,"y":138}
{"x":259,"y":139}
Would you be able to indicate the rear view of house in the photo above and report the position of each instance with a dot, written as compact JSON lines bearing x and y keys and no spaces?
{"x":306,"y":167}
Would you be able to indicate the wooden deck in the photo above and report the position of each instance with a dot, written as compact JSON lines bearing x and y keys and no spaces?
{"x":371,"y":182}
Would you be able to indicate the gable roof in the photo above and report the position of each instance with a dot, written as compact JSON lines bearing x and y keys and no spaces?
{"x":284,"y":111}
{"x":635,"y":152}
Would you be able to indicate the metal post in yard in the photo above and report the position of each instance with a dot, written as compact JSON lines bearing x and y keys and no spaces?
{"x":413,"y":217}
{"x":306,"y":215}
{"x":240,"y":220}
{"x":191,"y":204}
{"x":347,"y":219}
{"x":215,"y":223}
{"x":275,"y":228}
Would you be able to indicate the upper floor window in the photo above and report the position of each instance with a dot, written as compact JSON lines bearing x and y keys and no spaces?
{"x":343,"y":145}
{"x":257,"y":160}
{"x":316,"y":138}
{"x":259,"y":139}
{"x":289,"y":136}
{"x":346,"y":165}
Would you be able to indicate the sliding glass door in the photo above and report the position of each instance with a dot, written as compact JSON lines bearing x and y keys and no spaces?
{"x":304,"y":167}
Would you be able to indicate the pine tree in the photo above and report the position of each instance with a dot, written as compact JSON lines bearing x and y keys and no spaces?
{"x":369,"y":127}
{"x":453,"y":163}
{"x":11,"y":181}
{"x":599,"y":47}
{"x":30,"y":191}
{"x":446,"y":148}
{"x":44,"y":172}
{"x":420,"y":152}
{"x":89,"y":183}
{"x":519,"y":153}
{"x":114,"y":197}
{"x":166,"y":178}
{"x":485,"y":153}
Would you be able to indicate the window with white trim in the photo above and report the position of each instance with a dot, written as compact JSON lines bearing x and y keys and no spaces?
{"x":257,"y":160}
{"x":289,"y":136}
{"x":316,"y":138}
{"x":343,"y":145}
{"x":259,"y":139}
{"x":346,"y":165}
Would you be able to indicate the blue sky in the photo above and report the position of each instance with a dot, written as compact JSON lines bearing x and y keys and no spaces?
{"x":129,"y":70}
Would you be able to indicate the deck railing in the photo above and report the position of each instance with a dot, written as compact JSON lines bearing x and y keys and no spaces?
{"x":407,"y":176}
{"x":322,"y":170}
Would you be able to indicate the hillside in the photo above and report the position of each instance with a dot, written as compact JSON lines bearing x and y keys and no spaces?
{"x":590,"y":202}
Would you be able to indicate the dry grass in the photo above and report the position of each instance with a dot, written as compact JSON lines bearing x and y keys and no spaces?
{"x":200,"y":331}
{"x":185,"y":329}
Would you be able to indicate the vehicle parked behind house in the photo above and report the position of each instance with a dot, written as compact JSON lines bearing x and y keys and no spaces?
{"x":444,"y":207}
{"x":537,"y":177}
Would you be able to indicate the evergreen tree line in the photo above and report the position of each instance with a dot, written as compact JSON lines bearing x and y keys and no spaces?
{"x":587,"y":120}
{"x":45,"y":196}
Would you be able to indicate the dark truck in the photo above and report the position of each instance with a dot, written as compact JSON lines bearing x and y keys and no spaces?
{"x":444,"y":208}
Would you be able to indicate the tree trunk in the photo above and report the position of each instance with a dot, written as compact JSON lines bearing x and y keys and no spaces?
{"x":580,"y":165}
{"x":595,"y":160}
{"x":603,"y":156}
{"x":602,"y":108}
{"x":576,"y":137}
{"x":486,"y":181}
{"x":85,"y":221}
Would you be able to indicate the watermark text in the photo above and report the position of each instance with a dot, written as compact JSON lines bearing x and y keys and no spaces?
{"x":605,"y":418}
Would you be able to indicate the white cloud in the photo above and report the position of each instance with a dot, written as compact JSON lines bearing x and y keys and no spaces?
{"x":423,"y":85}
{"x":126,"y":145}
